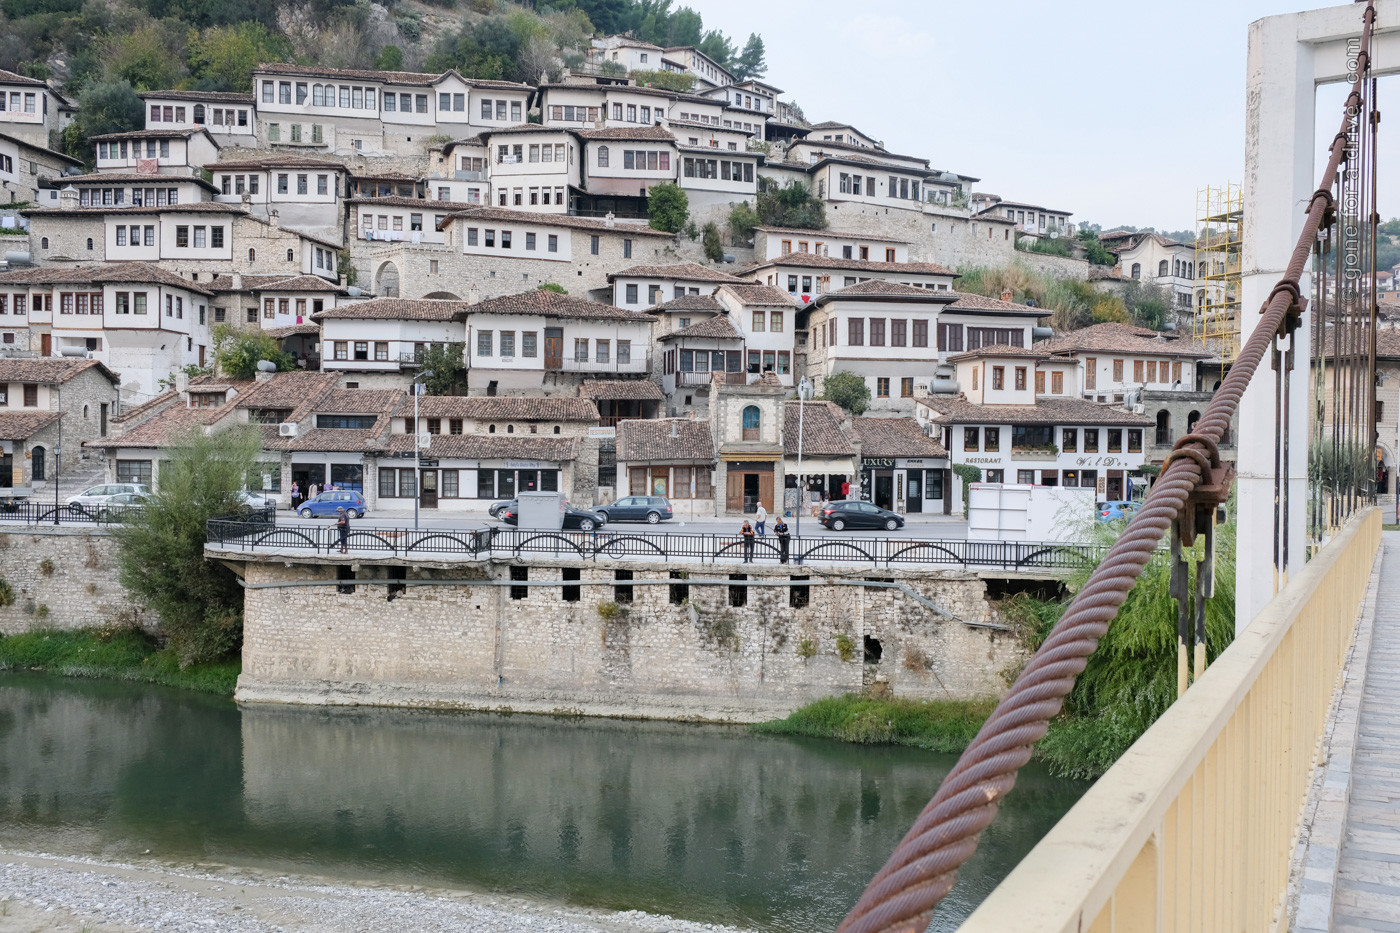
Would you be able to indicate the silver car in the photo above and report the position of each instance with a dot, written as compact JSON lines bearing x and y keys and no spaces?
{"x":99,"y":495}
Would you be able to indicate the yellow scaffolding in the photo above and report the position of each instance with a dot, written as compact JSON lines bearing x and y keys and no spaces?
{"x":1219,"y":239}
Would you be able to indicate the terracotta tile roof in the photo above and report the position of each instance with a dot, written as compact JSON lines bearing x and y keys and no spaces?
{"x":651,"y":441}
{"x":148,"y":134}
{"x":197,"y":207}
{"x":526,"y":128}
{"x":107,"y":178}
{"x":719,"y":327}
{"x":654,"y":133}
{"x":882,"y":288}
{"x":979,"y":304}
{"x":146,"y":409}
{"x":1046,"y":410}
{"x":549,"y":448}
{"x":397,"y":309}
{"x":123,"y":271}
{"x":292,"y":330}
{"x":813,"y":261}
{"x":50,"y":371}
{"x":421,"y":204}
{"x":502,"y":408}
{"x":762,"y":295}
{"x":298,"y":392}
{"x":276,"y":160}
{"x":895,"y":437}
{"x":9,"y":77}
{"x":639,"y":390}
{"x":336,"y":440}
{"x":229,"y":97}
{"x":999,"y":350}
{"x":1387,"y":343}
{"x":690,"y":303}
{"x":360,"y":401}
{"x":164,"y":428}
{"x":19,"y":425}
{"x":1113,"y":337}
{"x":821,"y":430}
{"x":553,"y":304}
{"x":688,"y":271}
{"x":831,"y":234}
{"x":855,"y":148}
{"x":534,"y":219}
{"x":223,"y":282}
{"x":421,"y":79}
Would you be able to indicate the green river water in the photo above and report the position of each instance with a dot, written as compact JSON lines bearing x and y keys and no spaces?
{"x":707,"y":823}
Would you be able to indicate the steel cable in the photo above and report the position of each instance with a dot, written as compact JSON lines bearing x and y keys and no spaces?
{"x":923,"y":867}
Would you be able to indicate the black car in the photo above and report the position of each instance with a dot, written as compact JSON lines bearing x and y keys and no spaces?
{"x":574,"y":519}
{"x":851,"y":513}
{"x":495,"y":510}
{"x":650,"y":509}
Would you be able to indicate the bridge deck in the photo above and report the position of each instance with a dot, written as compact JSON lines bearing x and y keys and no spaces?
{"x":1368,"y":875}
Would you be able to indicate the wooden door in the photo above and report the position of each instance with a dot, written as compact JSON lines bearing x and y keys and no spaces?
{"x":46,"y":345}
{"x":734,"y":491}
{"x":428,"y":499}
{"x":765,"y":491}
{"x":553,"y":348}
{"x":638,"y":483}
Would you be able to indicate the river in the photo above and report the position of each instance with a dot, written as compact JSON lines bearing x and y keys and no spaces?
{"x":706,"y":823}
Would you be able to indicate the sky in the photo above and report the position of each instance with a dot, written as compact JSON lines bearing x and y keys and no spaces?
{"x":1117,"y":112}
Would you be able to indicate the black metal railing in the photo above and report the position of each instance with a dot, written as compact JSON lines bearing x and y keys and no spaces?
{"x":642,"y":545}
{"x":29,"y":512}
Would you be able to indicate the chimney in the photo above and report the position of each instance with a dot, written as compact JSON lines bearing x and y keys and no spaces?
{"x":609,"y":220}
{"x":675,"y":429}
{"x":1006,"y":294}
{"x":272,"y":219}
{"x":238,"y":281}
{"x":68,"y":199}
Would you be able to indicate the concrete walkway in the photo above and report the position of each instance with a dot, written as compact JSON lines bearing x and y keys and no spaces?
{"x":1368,"y":872}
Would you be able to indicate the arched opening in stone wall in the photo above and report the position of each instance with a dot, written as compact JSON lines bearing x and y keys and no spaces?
{"x":386,"y":281}
{"x":873,"y":650}
{"x":445,"y":295}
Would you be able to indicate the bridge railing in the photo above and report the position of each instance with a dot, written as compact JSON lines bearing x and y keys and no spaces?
{"x":606,"y":544}
{"x":1189,"y":829}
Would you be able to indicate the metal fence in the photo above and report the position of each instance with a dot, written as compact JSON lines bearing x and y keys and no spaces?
{"x":700,"y":548}
{"x":29,"y":512}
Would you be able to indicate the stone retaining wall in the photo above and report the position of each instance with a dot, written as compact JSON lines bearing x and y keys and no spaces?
{"x":715,"y":652}
{"x":62,"y":578}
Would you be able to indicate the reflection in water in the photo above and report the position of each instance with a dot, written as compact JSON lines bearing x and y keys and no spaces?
{"x":703,"y":822}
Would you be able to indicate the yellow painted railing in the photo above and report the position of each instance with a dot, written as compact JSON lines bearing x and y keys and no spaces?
{"x":1191,"y":829}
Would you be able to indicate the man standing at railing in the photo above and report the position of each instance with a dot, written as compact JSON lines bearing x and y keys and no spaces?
{"x":746,"y":532}
{"x":781,"y":530}
{"x":342,"y":526}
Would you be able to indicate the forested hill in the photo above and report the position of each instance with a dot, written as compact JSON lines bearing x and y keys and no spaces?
{"x":102,"y":53}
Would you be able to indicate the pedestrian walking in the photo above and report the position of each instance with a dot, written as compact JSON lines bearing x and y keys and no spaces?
{"x":761,"y":519}
{"x":342,"y":526}
{"x":781,"y":530}
{"x":311,"y":491}
{"x":747,"y":533}
{"x":296,"y":496}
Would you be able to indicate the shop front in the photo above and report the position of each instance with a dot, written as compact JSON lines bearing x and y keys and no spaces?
{"x":907,"y":485}
{"x":821,"y":479}
{"x":343,"y":471}
{"x":749,"y":483}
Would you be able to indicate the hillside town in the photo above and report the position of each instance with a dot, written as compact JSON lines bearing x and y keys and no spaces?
{"x":369,"y":222}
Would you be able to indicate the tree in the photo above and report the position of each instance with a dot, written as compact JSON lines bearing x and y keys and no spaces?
{"x":1094,"y":250}
{"x":718,"y":47}
{"x":751,"y":62}
{"x":665,"y":80}
{"x":104,"y":107}
{"x":227,"y":55}
{"x":161,"y":548}
{"x":449,"y":372}
{"x":742,"y":219}
{"x":668,"y":207}
{"x":710,"y":240}
{"x":847,"y":390}
{"x":554,"y":287}
{"x":149,"y":57}
{"x":390,"y":58}
{"x":238,"y":352}
{"x":789,"y":205}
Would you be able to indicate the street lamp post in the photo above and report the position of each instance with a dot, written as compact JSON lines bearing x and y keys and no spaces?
{"x":804,"y":389}
{"x":57,"y":455}
{"x":417,"y":444}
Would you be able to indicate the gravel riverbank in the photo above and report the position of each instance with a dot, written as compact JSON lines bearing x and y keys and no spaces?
{"x":78,"y":895}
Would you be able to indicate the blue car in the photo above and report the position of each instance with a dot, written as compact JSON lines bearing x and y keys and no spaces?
{"x":1117,"y":508}
{"x":325,"y":505}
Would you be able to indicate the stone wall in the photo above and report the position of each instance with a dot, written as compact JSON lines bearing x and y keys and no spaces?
{"x":62,"y":578}
{"x":715,"y":652}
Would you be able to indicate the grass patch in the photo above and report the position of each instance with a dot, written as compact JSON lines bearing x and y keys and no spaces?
{"x":937,"y":725}
{"x":1390,"y":527}
{"x":118,"y":653}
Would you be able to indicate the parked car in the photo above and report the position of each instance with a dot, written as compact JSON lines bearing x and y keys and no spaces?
{"x":98,"y":495}
{"x":325,"y":504}
{"x":574,"y":519}
{"x":650,"y":509}
{"x":852,"y":513}
{"x":256,"y":500}
{"x":117,"y":507}
{"x":1117,"y":508}
{"x":495,"y":510}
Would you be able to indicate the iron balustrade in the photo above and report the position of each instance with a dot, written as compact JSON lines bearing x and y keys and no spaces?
{"x":703,"y":548}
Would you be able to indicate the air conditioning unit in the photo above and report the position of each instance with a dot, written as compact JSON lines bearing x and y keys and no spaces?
{"x":1137,"y":409}
{"x":287,"y":429}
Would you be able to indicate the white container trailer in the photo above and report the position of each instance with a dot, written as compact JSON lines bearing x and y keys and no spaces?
{"x":1021,"y":512}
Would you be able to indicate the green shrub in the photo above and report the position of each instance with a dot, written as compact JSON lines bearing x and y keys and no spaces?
{"x":845,"y":647}
{"x":122,"y":652}
{"x":945,"y":726}
{"x":609,"y":611}
{"x":7,"y":594}
{"x":806,"y":649}
{"x":710,"y":240}
{"x":847,"y":390}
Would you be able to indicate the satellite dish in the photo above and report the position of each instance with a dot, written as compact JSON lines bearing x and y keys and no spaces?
{"x":1054,"y":234}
